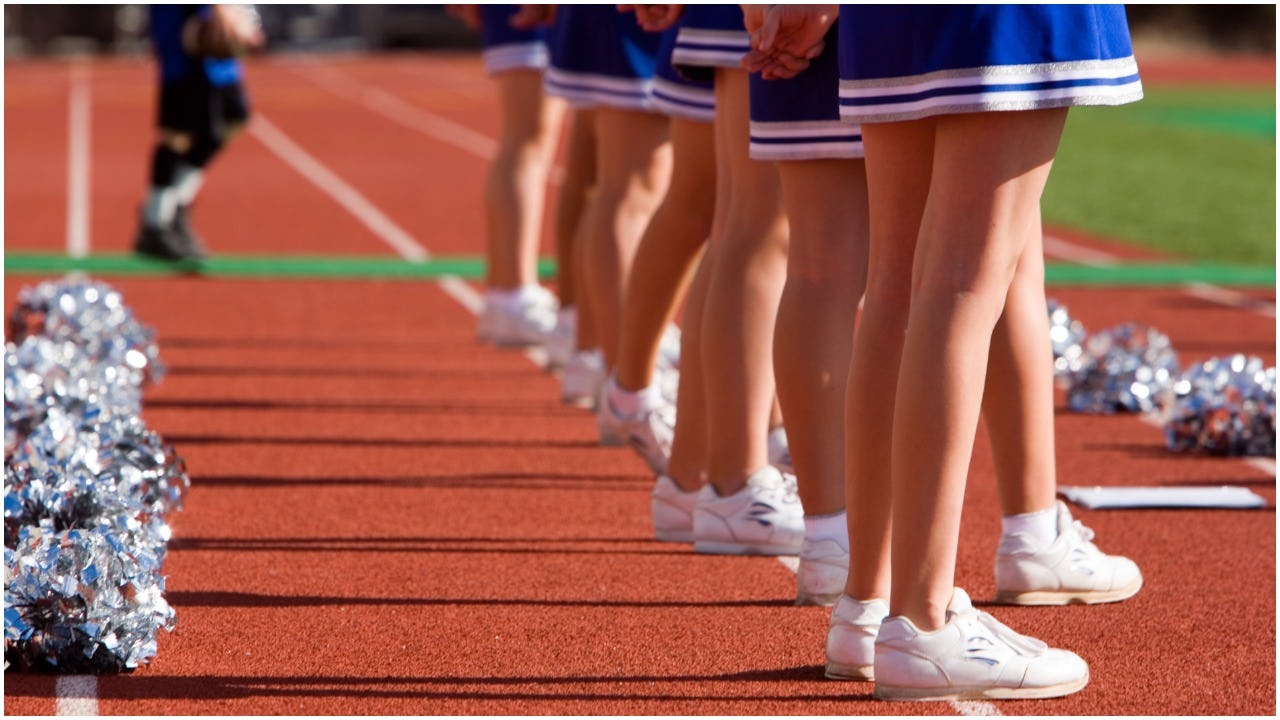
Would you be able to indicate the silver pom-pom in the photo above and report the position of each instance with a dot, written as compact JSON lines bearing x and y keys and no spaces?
{"x":41,"y":373}
{"x":91,"y":314}
{"x":88,"y":487}
{"x":117,"y":452}
{"x":1128,"y":368}
{"x":82,"y":600}
{"x":1067,"y":337}
{"x":76,"y":499}
{"x":1223,"y":406}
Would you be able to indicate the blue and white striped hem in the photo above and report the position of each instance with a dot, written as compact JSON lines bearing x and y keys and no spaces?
{"x":516,"y":56}
{"x":710,"y":48}
{"x":1020,"y":87}
{"x":676,"y":100}
{"x":805,"y":140}
{"x":585,"y":90}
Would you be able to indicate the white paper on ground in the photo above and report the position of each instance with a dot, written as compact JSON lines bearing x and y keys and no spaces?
{"x":1225,"y":496}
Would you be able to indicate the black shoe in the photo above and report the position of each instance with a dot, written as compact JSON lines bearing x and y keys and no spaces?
{"x":182,"y":226}
{"x":165,"y":244}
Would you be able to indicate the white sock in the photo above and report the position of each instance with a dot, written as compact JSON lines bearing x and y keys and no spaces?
{"x":834,"y":526}
{"x":1041,"y":528}
{"x":628,"y":403}
{"x":160,"y":206}
{"x":530,"y":294}
{"x":187,"y":180}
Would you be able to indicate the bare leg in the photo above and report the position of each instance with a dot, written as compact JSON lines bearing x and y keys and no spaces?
{"x":742,"y":302}
{"x":515,"y":190}
{"x":579,"y":176}
{"x":897,"y":190}
{"x":1018,"y":401}
{"x":688,"y":462}
{"x":989,"y":171}
{"x":668,"y":249}
{"x":826,"y":202}
{"x":633,"y":167}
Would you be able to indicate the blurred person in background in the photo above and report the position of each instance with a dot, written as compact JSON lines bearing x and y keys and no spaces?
{"x":202,"y":104}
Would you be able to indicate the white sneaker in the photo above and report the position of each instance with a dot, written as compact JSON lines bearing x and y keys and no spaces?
{"x":668,"y":382}
{"x":764,"y":518}
{"x":582,"y":378}
{"x":560,"y":343}
{"x":780,"y":450}
{"x":1070,"y":570}
{"x":650,"y":430}
{"x":823,"y":570}
{"x":851,"y":638}
{"x":669,"y":347}
{"x":973,"y":656}
{"x":672,"y":511}
{"x":511,"y":321}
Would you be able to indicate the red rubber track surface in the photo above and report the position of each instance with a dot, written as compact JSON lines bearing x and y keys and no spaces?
{"x":386,"y":518}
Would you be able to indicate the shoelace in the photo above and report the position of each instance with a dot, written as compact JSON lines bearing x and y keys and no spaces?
{"x":1085,"y":535}
{"x":1022,"y":644}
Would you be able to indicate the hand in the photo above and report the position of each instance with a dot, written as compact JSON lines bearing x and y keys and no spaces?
{"x":776,"y":66}
{"x":227,"y":32}
{"x":529,"y":17}
{"x":655,"y":18}
{"x":794,"y":29}
{"x":785,"y":38}
{"x":468,"y":14}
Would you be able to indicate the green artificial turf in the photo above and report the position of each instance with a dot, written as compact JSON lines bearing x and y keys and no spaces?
{"x":1187,"y":171}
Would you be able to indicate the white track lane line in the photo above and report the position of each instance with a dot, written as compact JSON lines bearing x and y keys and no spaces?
{"x":1066,"y":250}
{"x":76,"y":695}
{"x":335,"y":187}
{"x":369,"y":215}
{"x":409,"y":115}
{"x":78,"y":126}
{"x":393,"y":108}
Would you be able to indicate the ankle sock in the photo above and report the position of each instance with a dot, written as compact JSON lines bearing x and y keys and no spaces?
{"x":833,"y":526}
{"x":161,"y":204}
{"x":628,"y":403}
{"x":1041,"y":528}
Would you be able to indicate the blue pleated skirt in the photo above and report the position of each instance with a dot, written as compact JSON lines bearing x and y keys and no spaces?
{"x":506,"y":48}
{"x":799,"y":118}
{"x":601,"y":58}
{"x":902,"y":62}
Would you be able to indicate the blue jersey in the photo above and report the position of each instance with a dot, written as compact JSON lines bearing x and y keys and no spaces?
{"x":166,"y":23}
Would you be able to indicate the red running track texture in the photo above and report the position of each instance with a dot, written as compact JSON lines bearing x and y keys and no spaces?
{"x":389,"y":519}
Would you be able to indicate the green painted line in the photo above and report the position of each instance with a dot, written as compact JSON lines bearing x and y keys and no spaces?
{"x":1160,"y":274}
{"x":470,"y":267}
{"x":258,"y":266}
{"x":1243,"y":122}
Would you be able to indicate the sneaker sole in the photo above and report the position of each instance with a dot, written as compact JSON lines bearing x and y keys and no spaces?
{"x":728,"y":548}
{"x":845,"y":671}
{"x":586,"y":402}
{"x":888,"y":692}
{"x":1067,"y":597}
